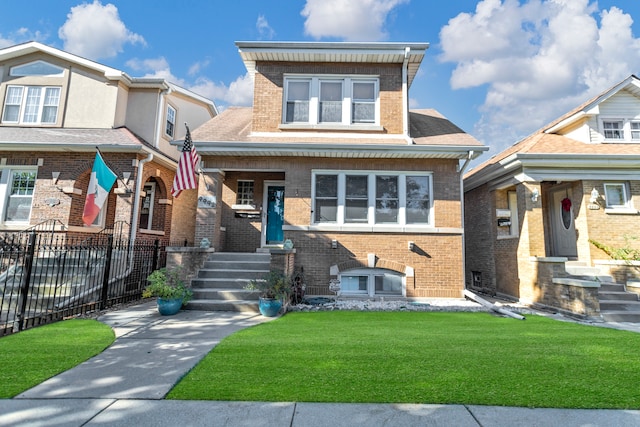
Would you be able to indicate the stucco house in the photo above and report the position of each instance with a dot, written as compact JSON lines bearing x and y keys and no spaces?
{"x":330,"y":158}
{"x":534,"y":211}
{"x":57,"y":110}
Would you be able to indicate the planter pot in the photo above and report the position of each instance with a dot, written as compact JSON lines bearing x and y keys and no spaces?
{"x":167,"y":307}
{"x":269,"y":307}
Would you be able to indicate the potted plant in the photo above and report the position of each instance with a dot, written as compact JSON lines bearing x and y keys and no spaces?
{"x":170,"y":290}
{"x":274,"y":288}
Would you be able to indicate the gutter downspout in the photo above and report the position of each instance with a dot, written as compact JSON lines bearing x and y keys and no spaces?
{"x":405,"y":96}
{"x":136,"y":194}
{"x":464,"y":249}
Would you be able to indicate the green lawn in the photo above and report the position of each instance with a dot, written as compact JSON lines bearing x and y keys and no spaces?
{"x":422,"y":357}
{"x":32,"y":356}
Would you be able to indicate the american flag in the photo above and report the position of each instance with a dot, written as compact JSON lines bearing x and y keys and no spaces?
{"x":186,"y":178}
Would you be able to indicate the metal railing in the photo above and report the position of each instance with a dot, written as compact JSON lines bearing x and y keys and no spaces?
{"x":45,"y":278}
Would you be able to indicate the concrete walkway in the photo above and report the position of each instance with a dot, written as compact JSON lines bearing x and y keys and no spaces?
{"x":125,"y":386}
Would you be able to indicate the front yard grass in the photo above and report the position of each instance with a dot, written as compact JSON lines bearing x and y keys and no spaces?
{"x":32,"y":356}
{"x":421,"y":357}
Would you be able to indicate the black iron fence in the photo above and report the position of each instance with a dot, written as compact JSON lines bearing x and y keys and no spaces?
{"x":45,"y":277}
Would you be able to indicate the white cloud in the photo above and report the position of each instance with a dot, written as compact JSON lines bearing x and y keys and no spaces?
{"x":21,"y":35}
{"x":264,"y":29}
{"x":538,"y":60}
{"x":95,"y":31}
{"x":338,"y":18}
{"x":238,"y":93}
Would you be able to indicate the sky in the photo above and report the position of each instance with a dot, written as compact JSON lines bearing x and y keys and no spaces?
{"x":499,"y":69}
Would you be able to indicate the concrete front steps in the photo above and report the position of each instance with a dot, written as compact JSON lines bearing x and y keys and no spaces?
{"x":219,"y":285}
{"x":616,"y":303}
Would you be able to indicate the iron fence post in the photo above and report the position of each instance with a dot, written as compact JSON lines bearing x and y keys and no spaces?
{"x":26,"y":279}
{"x":107,"y":270}
{"x":156,"y":251}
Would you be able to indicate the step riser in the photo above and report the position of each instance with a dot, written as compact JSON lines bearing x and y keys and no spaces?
{"x":620,"y":306}
{"x":229,"y":274}
{"x":222,"y":306}
{"x":219,"y":283}
{"x":621,"y":317}
{"x":622,"y":296}
{"x":225,"y":295}
{"x":611,"y":288}
{"x":242,"y":257}
{"x":236,"y":265}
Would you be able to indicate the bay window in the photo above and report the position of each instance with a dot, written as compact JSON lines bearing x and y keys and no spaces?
{"x":31,"y":104}
{"x":372,"y":198}
{"x":327,"y":100}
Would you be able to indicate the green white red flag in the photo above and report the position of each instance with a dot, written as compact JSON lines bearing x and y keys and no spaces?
{"x":102,"y":179}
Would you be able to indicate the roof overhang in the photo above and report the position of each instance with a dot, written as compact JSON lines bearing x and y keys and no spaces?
{"x":524,"y":167}
{"x":380,"y":53}
{"x":376,"y":151}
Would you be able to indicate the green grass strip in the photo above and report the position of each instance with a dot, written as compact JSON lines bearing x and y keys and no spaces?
{"x":32,"y":356}
{"x":422,"y":357}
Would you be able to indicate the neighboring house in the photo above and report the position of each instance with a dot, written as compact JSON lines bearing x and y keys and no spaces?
{"x":544,"y":199}
{"x":331,"y":158}
{"x":57,"y":109}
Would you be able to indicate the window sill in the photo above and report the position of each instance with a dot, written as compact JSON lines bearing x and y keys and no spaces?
{"x":244,"y":207}
{"x":332,"y":127}
{"x":621,"y":211}
{"x":621,"y":141}
{"x":352,"y":228}
{"x":510,"y":236}
{"x":154,"y":232}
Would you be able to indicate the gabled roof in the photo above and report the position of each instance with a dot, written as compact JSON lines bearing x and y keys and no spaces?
{"x":252,"y":52}
{"x":109,"y":73}
{"x":433,"y":136}
{"x":546,"y":149}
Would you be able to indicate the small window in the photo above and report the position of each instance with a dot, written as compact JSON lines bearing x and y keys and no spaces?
{"x":356,"y":199}
{"x":371,"y":282}
{"x":244,"y":196}
{"x":330,"y":102}
{"x":613,"y":129}
{"x":171,"y":121}
{"x":20,"y":198}
{"x":363,"y":102}
{"x":616,"y":195}
{"x":418,"y":205}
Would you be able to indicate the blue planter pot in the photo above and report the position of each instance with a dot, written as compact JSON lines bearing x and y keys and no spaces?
{"x":269,"y":307}
{"x":167,"y":307}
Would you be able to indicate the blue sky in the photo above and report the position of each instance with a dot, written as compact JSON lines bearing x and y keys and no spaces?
{"x":499,"y":69}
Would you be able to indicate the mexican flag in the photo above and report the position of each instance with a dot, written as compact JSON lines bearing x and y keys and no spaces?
{"x":102,"y":179}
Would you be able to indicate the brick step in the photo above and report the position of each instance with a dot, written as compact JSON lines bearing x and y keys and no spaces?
{"x":220,"y":305}
{"x":225,"y":294}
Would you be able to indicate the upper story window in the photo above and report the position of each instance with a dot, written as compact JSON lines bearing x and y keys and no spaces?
{"x":331,"y":100}
{"x":171,"y":121}
{"x":372,"y":198}
{"x":36,"y":68}
{"x":621,"y":130}
{"x":31,"y":105}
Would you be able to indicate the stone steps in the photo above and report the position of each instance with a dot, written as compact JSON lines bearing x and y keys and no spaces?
{"x":220,"y":284}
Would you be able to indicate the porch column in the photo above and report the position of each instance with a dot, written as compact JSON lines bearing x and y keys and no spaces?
{"x":531,"y":238}
{"x":209,"y":211}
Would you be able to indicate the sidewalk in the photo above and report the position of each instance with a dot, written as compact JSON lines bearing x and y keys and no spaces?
{"x":122,"y":387}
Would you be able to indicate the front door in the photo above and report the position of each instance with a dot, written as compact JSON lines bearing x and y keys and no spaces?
{"x":562,"y":224}
{"x":274,"y":220}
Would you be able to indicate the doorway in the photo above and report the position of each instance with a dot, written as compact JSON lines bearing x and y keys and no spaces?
{"x":563,"y":231}
{"x":273,"y":219}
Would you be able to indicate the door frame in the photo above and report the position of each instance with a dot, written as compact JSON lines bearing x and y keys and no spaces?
{"x":265,"y":207}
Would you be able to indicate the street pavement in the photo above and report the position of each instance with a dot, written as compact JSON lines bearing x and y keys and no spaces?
{"x":126,"y":384}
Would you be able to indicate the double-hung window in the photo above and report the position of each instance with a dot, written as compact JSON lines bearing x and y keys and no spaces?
{"x":20,"y":185}
{"x":331,"y":100}
{"x":31,"y":104}
{"x":613,"y":129}
{"x":171,"y":121}
{"x":376,"y":199}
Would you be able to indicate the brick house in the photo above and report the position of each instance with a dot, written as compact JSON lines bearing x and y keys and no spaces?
{"x":532,"y":210}
{"x":330,"y":157}
{"x":57,"y":108}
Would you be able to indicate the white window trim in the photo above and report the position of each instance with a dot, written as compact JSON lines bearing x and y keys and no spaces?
{"x":314,"y":101}
{"x":626,"y":130}
{"x":371,"y":273}
{"x":370,"y":225}
{"x":167,"y":121}
{"x":6,"y":180}
{"x":15,"y":70}
{"x":23,"y":102}
{"x":627,"y":207}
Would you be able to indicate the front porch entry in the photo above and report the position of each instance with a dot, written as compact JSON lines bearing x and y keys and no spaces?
{"x":563,"y":231}
{"x":273,"y":218}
